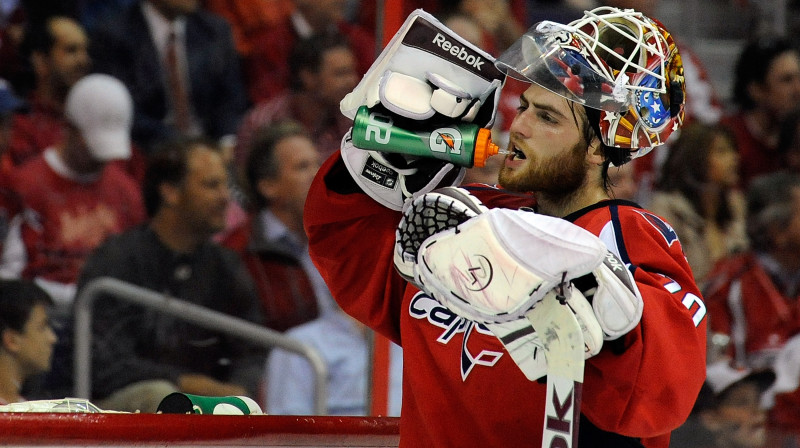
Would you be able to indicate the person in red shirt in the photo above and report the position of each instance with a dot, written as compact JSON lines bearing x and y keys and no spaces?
{"x":325,"y":69}
{"x":58,"y":51}
{"x":267,"y":72}
{"x":461,"y":387}
{"x":78,"y":197}
{"x":766,"y":89}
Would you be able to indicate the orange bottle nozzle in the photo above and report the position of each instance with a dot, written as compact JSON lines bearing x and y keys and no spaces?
{"x":484,"y":147}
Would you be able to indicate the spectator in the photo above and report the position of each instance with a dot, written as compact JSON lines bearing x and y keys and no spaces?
{"x":78,"y":198}
{"x":12,"y":30}
{"x":766,"y":88}
{"x":752,"y":297}
{"x":343,"y":343}
{"x":26,"y":337}
{"x":783,"y":395}
{"x":268,"y":71}
{"x":57,"y":49}
{"x":140,"y":356}
{"x":698,"y":194}
{"x":728,"y":412}
{"x":281,"y":164}
{"x":325,"y":71}
{"x":9,"y":200}
{"x":180,"y":65}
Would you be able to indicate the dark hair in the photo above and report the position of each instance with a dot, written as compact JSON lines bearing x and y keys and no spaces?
{"x":261,"y":161}
{"x":686,"y":168}
{"x":169,"y":164}
{"x":770,"y":206}
{"x":754,"y":63}
{"x":39,"y":36}
{"x":788,"y":135}
{"x":307,"y":54}
{"x":17,"y":299}
{"x":611,"y":154}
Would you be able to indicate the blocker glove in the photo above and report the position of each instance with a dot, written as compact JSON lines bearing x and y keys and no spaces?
{"x":493,"y":266}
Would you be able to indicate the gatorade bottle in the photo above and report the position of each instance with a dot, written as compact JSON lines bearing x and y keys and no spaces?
{"x":180,"y":403}
{"x":463,"y":144}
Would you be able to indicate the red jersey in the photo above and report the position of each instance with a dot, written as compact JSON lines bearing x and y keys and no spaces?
{"x":67,"y":219}
{"x":460,"y":386}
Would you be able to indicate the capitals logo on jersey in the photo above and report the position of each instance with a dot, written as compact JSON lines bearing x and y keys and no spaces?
{"x":424,"y":307}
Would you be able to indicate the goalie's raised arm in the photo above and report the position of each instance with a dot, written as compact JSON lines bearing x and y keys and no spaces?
{"x":426,"y":79}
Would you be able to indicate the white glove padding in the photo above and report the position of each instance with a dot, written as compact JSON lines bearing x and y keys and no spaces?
{"x":390,"y":183}
{"x":404,"y":95}
{"x":495,"y":267}
{"x":426,"y":67}
{"x":615,"y":298}
{"x":420,"y":99}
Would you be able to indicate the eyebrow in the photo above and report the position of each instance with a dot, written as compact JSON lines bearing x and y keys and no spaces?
{"x":542,"y":106}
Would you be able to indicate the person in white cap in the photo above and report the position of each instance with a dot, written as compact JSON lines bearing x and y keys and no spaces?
{"x":729,"y":411}
{"x":73,"y":198}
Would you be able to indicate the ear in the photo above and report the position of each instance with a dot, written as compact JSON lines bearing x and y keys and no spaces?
{"x":594,"y":153}
{"x":10,"y":340}
{"x":308,"y":78}
{"x":39,"y":63}
{"x":170,"y":194}
{"x":267,"y":188}
{"x":710,"y":420}
{"x":755,"y":90}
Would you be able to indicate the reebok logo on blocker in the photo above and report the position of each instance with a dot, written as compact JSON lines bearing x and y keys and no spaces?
{"x":458,"y":51}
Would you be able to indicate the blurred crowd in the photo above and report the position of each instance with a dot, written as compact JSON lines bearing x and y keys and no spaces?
{"x":171,"y":144}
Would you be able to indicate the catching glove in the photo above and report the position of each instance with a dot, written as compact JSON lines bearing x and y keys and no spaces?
{"x":453,"y":208}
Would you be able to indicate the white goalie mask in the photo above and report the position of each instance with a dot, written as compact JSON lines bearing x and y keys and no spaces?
{"x":619,"y":62}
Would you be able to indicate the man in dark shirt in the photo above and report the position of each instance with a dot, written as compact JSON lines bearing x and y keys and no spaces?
{"x":140,"y":356}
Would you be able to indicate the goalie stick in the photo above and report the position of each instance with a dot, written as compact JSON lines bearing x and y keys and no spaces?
{"x":562,"y":338}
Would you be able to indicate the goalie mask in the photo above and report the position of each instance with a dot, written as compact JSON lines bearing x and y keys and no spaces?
{"x":619,"y":62}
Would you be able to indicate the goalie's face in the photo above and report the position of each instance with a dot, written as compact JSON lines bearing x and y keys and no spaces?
{"x":548,"y":149}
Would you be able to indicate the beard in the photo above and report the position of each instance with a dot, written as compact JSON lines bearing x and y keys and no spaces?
{"x":558,"y":176}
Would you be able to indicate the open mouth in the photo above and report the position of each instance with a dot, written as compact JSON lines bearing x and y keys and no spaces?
{"x":517,"y":154}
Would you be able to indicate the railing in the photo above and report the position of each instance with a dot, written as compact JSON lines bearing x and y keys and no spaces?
{"x":190,"y":312}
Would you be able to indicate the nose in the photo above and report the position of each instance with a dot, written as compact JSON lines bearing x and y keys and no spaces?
{"x":519,"y":125}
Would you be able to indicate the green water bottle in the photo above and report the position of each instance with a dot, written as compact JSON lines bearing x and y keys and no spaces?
{"x":463,"y":144}
{"x":181,"y":403}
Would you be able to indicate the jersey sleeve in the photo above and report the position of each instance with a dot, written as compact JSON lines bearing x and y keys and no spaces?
{"x":645,"y":384}
{"x":351,"y":241}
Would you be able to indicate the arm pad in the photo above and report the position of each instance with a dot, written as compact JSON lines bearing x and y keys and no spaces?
{"x":616,"y":300}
